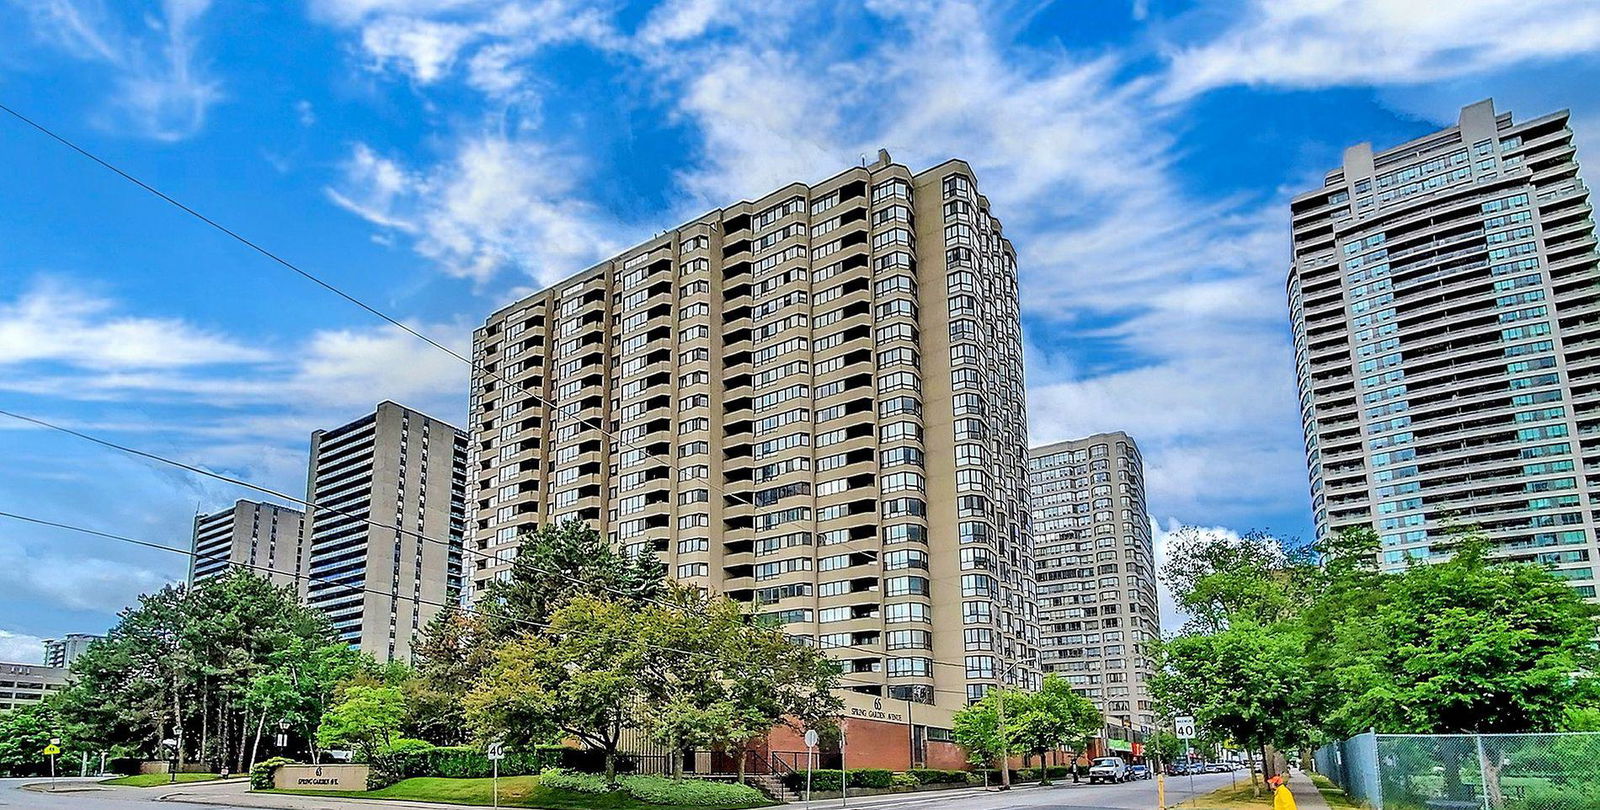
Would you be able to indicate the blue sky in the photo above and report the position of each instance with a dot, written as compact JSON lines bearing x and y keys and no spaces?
{"x":440,"y":157}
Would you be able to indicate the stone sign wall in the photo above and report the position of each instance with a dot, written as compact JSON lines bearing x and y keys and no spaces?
{"x":320,"y":777}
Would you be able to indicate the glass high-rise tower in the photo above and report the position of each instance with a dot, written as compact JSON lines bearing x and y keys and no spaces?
{"x":1447,"y":342}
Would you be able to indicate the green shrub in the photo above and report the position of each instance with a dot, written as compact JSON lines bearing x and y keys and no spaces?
{"x":561,"y":779}
{"x":467,"y":762}
{"x":261,"y":772}
{"x":407,"y":745}
{"x":822,"y":781}
{"x":1553,"y":798}
{"x":935,"y":776}
{"x":905,"y":780}
{"x":691,"y":792}
{"x":869,"y":778}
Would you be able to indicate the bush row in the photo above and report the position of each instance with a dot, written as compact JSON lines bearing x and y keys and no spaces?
{"x":831,"y":780}
{"x":657,"y":789}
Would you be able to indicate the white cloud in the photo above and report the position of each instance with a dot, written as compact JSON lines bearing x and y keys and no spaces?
{"x":73,"y":582}
{"x":496,"y":202}
{"x":20,"y":648}
{"x":1321,"y":43}
{"x":52,"y":321}
{"x":161,"y":88}
{"x":425,"y":40}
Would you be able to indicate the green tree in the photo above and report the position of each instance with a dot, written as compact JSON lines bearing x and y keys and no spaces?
{"x":715,"y":676}
{"x":554,"y":564}
{"x":451,"y":654}
{"x":24,"y":733}
{"x":183,"y":664}
{"x":1247,"y":683}
{"x":1218,"y":579}
{"x":366,"y":718}
{"x":1468,"y":645}
{"x":1165,"y":747}
{"x":582,"y":678}
{"x":1053,"y":718}
{"x":976,"y":728}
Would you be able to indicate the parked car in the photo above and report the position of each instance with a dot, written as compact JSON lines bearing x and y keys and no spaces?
{"x":1139,"y":772}
{"x":1108,"y":769}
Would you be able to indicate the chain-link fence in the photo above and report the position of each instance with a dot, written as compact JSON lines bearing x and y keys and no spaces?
{"x":1467,"y":771}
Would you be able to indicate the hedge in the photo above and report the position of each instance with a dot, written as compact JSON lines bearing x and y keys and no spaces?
{"x":935,"y":776}
{"x":657,"y":789}
{"x":828,"y":780}
{"x":691,"y":792}
{"x":261,"y":772}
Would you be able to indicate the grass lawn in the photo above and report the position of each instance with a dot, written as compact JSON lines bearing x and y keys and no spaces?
{"x":515,"y":791}
{"x":1331,"y":792}
{"x":1234,"y":797}
{"x":158,"y":779}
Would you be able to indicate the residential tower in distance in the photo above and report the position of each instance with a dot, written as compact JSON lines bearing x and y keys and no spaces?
{"x":811,"y":402}
{"x":1097,"y":576}
{"x":1447,"y":342}
{"x":264,"y":538}
{"x":386,"y":527}
{"x":59,"y":653}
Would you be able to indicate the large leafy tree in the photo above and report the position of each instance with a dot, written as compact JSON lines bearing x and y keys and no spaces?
{"x":1468,"y":645}
{"x":366,"y":718}
{"x":1247,"y":682}
{"x":714,"y":676}
{"x":581,"y":678}
{"x":976,"y":728}
{"x":556,"y":563}
{"x":1053,"y":718}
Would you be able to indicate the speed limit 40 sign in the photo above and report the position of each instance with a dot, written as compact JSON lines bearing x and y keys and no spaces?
{"x":1183,"y":727}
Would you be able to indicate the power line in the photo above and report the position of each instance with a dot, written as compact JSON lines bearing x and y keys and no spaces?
{"x":558,"y":410}
{"x":312,"y":505}
{"x":337,"y":583}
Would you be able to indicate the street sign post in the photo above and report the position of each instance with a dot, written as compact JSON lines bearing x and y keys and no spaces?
{"x":496,"y":752}
{"x":1183,"y":729}
{"x":52,"y":750}
{"x":811,"y":759}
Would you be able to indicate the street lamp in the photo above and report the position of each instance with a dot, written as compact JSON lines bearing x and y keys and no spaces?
{"x":172,"y":759}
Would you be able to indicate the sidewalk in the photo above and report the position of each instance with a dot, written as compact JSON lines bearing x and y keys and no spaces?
{"x":1306,"y":795}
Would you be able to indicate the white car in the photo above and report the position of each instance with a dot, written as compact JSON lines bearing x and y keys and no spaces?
{"x":1108,"y":769}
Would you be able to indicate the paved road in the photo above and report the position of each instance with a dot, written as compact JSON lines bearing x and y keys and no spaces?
{"x":1139,"y":795}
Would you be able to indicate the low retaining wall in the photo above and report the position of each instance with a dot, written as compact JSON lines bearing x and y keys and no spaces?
{"x":320,"y":777}
{"x":163,"y":766}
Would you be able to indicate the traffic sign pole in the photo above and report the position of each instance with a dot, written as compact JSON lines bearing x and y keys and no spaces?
{"x":496,"y":751}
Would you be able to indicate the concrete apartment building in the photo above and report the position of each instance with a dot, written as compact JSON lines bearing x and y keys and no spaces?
{"x":1097,"y":576}
{"x":61,"y":652}
{"x":811,"y":402}
{"x":1447,"y":342}
{"x":395,"y":467}
{"x":27,"y":684}
{"x":264,"y":538}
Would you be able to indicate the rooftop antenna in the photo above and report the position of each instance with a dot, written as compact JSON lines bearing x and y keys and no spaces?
{"x":863,"y":159}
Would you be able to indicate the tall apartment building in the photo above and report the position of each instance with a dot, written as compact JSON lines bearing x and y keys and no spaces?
{"x":59,"y":653}
{"x":1097,"y":576}
{"x":265,"y":538}
{"x":1447,"y":342}
{"x":382,"y":581}
{"x":811,"y":402}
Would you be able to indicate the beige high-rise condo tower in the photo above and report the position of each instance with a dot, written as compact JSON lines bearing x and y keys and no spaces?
{"x":386,"y":527}
{"x":1447,"y":342}
{"x":1097,"y":577}
{"x":266,"y":539}
{"x":812,"y":402}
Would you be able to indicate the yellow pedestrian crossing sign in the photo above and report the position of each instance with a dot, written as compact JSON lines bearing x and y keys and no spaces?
{"x":51,"y":750}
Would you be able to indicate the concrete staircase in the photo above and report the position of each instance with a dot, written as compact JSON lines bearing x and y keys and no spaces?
{"x":773,"y":786}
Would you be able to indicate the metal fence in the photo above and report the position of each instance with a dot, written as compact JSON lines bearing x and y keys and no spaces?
{"x":1467,"y":771}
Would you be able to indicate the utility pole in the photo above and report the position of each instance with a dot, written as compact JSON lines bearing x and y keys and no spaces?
{"x":1005,"y":750}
